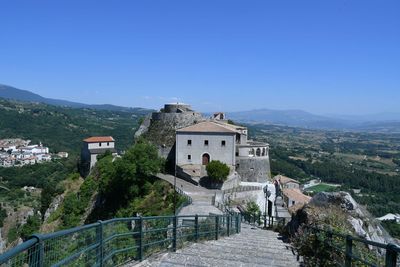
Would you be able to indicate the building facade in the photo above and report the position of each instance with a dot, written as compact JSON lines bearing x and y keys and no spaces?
{"x":206,"y":141}
{"x":94,"y":146}
{"x":215,"y":139}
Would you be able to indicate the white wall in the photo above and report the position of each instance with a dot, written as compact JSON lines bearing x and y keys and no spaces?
{"x":103,"y":145}
{"x":225,"y":154}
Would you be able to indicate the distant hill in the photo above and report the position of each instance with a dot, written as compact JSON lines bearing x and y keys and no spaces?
{"x":12,"y":93}
{"x":295,"y":118}
{"x":379,"y":123}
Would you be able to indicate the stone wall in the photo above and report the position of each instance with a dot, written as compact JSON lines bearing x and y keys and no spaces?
{"x":177,"y":120}
{"x":253,"y":169}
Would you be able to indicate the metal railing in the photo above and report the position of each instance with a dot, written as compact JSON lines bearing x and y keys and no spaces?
{"x":188,"y":200}
{"x":261,"y":219}
{"x":117,"y":241}
{"x":356,"y":251}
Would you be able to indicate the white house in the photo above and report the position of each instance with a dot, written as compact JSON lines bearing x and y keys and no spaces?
{"x":94,"y":146}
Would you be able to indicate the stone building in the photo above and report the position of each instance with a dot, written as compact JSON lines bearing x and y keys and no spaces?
{"x":198,"y":144}
{"x":94,"y":146}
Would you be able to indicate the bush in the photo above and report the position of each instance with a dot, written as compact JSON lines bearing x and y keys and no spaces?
{"x":217,"y":171}
{"x":252,"y":208}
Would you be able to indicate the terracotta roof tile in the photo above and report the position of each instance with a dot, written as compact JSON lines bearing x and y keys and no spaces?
{"x":97,"y":139}
{"x":296,"y":194}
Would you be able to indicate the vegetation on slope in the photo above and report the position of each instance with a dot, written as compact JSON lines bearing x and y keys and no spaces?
{"x":127,"y":186}
{"x":63,"y":128}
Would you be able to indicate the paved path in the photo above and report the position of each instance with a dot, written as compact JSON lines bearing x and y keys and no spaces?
{"x":252,"y":247}
{"x":201,"y":197}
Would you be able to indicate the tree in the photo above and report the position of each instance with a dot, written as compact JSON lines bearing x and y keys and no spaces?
{"x":217,"y":171}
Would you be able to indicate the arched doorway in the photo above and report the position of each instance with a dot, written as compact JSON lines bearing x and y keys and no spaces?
{"x":206,"y":159}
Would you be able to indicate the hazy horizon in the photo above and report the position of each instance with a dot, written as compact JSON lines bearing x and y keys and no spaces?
{"x":339,"y":57}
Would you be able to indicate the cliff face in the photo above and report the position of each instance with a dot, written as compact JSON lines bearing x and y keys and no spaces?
{"x":339,"y":209}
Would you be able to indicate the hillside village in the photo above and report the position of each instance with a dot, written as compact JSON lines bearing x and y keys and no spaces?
{"x":19,"y":152}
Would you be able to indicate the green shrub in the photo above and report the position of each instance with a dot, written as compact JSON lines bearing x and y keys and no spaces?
{"x":217,"y":171}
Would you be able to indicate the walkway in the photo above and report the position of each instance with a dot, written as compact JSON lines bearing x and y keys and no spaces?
{"x":252,"y":247}
{"x":201,"y":197}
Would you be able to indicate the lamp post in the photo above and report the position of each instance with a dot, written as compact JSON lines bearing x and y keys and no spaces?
{"x":267,"y":194}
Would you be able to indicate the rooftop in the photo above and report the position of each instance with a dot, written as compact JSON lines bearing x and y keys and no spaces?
{"x":97,"y":139}
{"x":296,"y":194}
{"x":206,"y":127}
{"x":284,"y":180}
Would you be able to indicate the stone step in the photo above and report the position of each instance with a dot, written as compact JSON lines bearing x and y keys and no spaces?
{"x":223,"y":247}
{"x":216,"y":259}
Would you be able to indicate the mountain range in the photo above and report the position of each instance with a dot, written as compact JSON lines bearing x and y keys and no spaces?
{"x":12,"y":93}
{"x":383,"y":122}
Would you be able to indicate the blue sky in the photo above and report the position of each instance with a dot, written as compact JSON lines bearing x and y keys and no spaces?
{"x":331,"y":56}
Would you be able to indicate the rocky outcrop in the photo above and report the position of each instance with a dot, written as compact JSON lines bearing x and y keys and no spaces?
{"x":53,"y":206}
{"x":144,"y":127}
{"x":347,"y":212}
{"x":14,"y":218}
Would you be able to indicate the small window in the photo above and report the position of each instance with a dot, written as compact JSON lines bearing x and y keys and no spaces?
{"x":108,"y":143}
{"x":223,"y":143}
{"x":293,"y":203}
{"x":99,"y":144}
{"x":206,"y":142}
{"x":189,"y":142}
{"x":189,"y":157}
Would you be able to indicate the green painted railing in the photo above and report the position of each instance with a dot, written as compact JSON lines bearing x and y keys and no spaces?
{"x":357,"y":251}
{"x":117,"y":241}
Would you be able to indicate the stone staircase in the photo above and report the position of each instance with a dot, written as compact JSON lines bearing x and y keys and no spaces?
{"x":252,"y":247}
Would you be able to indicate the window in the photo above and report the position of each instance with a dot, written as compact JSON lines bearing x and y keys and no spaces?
{"x":108,"y":143}
{"x":189,"y":157}
{"x":189,"y":142}
{"x":223,"y":143}
{"x":206,"y":142}
{"x":99,"y":144}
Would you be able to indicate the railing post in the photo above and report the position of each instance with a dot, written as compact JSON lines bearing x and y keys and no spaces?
{"x":237,"y":223}
{"x":265,"y":221}
{"x":349,"y":251}
{"x":196,"y":227}
{"x":140,"y":245}
{"x":391,"y":256}
{"x":175,"y":218}
{"x":39,"y":259}
{"x":216,"y":227}
{"x":228,"y":224}
{"x":99,"y":235}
